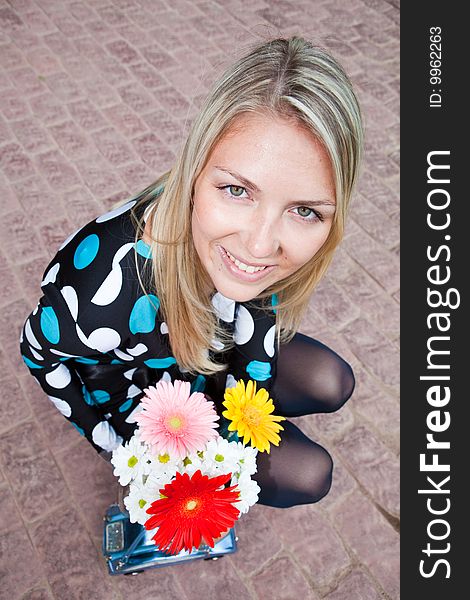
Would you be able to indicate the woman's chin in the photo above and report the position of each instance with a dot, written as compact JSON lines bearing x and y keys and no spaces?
{"x":239,"y":293}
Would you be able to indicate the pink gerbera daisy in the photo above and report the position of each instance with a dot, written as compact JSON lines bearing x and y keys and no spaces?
{"x":175,"y":421}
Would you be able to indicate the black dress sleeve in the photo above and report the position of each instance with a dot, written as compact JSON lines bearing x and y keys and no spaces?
{"x":50,"y":343}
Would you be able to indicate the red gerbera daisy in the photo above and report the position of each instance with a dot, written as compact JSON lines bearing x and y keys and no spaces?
{"x":193,"y":508}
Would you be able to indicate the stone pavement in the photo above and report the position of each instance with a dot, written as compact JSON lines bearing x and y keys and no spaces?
{"x":95,"y":97}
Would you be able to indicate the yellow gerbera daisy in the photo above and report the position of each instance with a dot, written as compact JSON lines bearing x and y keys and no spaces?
{"x":250,"y":414}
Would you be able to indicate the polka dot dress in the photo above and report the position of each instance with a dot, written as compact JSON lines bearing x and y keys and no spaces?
{"x":95,"y":340}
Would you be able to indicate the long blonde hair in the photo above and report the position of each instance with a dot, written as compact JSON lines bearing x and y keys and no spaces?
{"x":287,"y":77}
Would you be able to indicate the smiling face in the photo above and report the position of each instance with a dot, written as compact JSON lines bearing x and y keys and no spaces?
{"x":263,"y":205}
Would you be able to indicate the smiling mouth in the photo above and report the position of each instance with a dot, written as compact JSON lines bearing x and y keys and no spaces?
{"x":243,"y":267}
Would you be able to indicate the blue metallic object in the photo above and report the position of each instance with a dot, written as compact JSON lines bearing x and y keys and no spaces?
{"x":129,"y":548}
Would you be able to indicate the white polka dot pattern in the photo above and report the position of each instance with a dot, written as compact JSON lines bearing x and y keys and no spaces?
{"x":116,"y":212}
{"x":244,"y":326}
{"x":59,"y":378}
{"x":105,"y":437}
{"x":104,"y":339}
{"x":230,"y":382}
{"x":59,"y":353}
{"x":131,"y":417}
{"x":128,"y":374}
{"x":31,"y":337}
{"x":269,"y":341}
{"x":111,"y":287}
{"x":36,"y":355}
{"x":61,"y":405}
{"x":137,"y":350}
{"x":70,"y":296}
{"x":224,"y":307}
{"x":165,"y":377}
{"x":133,"y":391}
{"x":51,"y":275}
{"x":122,"y":355}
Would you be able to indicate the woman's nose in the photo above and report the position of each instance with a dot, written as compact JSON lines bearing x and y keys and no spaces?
{"x":262,"y":237}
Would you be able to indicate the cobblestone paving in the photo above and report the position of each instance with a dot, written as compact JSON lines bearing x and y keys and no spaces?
{"x":95,"y":98}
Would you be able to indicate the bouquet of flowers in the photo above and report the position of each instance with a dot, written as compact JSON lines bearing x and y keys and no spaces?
{"x":187,"y":481}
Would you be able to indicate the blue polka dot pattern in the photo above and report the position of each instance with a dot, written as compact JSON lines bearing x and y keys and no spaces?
{"x":86,"y":251}
{"x":50,"y":325}
{"x":126,"y":405}
{"x":143,"y":249}
{"x":87,"y":396}
{"x":30,"y":363}
{"x":199,"y":384}
{"x":274,"y":302}
{"x":79,"y":429}
{"x":143,"y":314}
{"x":160,"y":363}
{"x":87,"y":361}
{"x":259,"y":370}
{"x":100,"y":396}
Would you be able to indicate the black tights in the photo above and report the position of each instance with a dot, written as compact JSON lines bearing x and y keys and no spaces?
{"x":310,"y":378}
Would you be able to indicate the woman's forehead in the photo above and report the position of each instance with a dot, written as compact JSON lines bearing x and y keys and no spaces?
{"x":262,"y":147}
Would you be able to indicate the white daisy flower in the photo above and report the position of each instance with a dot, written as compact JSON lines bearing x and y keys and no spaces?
{"x":247,"y":459}
{"x":193,"y":462}
{"x":140,"y":497}
{"x":130,"y":461}
{"x":137,"y":502}
{"x":249,"y":491}
{"x":221,"y":456}
{"x":156,"y":481}
{"x":164,"y":465}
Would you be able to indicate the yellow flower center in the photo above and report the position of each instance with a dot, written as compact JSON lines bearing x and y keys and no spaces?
{"x":164,"y":458}
{"x":175,"y":423}
{"x":132,"y":461}
{"x":252,"y":416}
{"x":142,"y":503}
{"x":191,"y":505}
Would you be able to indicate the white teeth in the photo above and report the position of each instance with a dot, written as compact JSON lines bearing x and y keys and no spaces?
{"x":242,"y":266}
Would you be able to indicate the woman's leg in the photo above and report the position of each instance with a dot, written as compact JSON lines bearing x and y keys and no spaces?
{"x":298,"y":471}
{"x":310,"y":378}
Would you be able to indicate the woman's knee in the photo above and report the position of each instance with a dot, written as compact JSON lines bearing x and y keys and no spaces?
{"x":333,"y":387}
{"x":345,"y":384}
{"x":322,"y":475}
{"x":332,"y":379}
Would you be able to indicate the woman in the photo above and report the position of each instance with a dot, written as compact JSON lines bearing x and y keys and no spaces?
{"x":205,"y":275}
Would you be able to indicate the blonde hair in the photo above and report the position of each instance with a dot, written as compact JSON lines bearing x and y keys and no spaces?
{"x":290,"y":78}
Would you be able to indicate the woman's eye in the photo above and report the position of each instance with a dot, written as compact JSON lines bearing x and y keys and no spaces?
{"x":305,"y":211}
{"x":235,"y":190}
{"x":309,"y":214}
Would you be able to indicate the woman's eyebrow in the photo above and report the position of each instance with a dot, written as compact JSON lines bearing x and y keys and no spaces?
{"x":249,"y":184}
{"x":246,"y":182}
